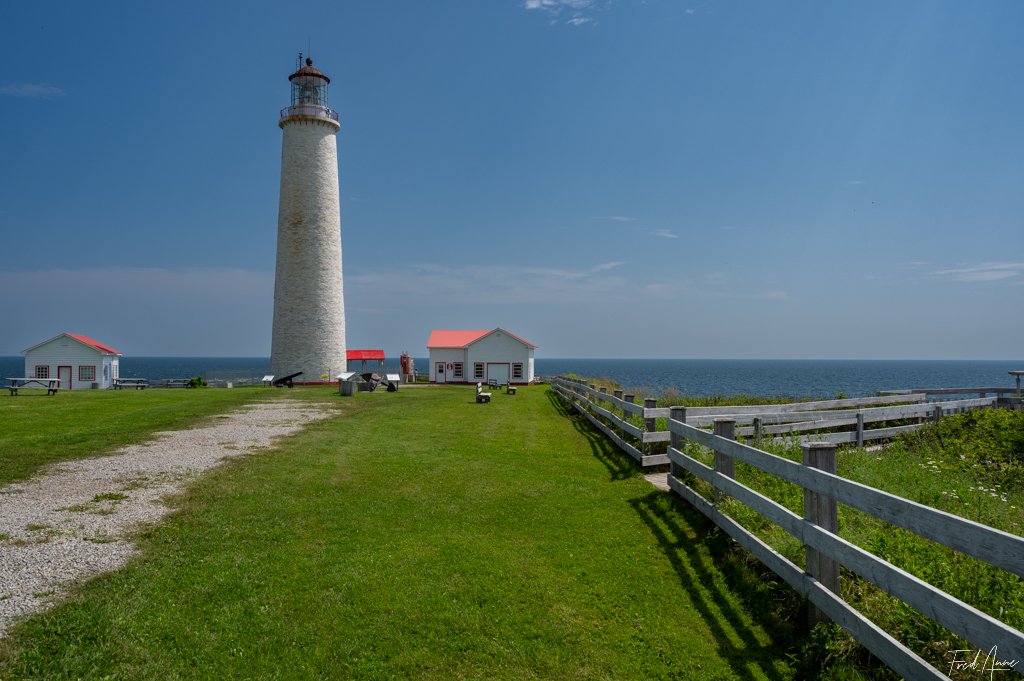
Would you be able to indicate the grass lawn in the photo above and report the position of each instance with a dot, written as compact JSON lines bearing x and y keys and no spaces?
{"x":418,"y":535}
{"x":37,"y":429}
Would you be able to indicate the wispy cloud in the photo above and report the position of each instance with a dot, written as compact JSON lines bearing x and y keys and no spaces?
{"x":986,"y":271}
{"x":157,"y":308}
{"x":665,"y":234}
{"x":615,"y":218}
{"x":31,"y":90}
{"x":559,"y":5}
{"x":432,"y":284}
{"x":579,"y":11}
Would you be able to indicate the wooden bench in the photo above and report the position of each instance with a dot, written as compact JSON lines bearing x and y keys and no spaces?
{"x":481,"y":396}
{"x":492,"y":383}
{"x":50,"y":385}
{"x":178,"y":383}
{"x":137,"y":383}
{"x":510,"y":389}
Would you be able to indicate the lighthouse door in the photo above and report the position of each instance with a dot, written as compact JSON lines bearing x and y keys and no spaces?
{"x":439,"y":372}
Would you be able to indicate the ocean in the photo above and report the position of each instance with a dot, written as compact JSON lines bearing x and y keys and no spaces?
{"x":800,"y":378}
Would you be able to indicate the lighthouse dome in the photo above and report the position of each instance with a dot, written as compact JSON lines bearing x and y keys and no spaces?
{"x":308,"y":71}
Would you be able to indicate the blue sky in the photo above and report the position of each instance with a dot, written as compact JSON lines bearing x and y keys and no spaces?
{"x":606,"y":178}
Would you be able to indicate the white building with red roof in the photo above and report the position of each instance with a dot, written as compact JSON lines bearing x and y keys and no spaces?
{"x":78,"y":361}
{"x":464,"y":356}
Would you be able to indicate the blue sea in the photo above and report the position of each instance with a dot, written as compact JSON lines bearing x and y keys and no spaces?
{"x":799,"y":378}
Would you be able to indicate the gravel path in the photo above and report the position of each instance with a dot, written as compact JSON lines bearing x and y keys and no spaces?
{"x":76,"y":520}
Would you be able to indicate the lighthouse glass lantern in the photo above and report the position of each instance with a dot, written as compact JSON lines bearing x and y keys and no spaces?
{"x":309,"y":94}
{"x":309,"y":86}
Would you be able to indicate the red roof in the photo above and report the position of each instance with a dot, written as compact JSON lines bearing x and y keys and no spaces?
{"x":364,"y":354}
{"x":92,"y":343}
{"x":440,"y":338}
{"x":454,"y":338}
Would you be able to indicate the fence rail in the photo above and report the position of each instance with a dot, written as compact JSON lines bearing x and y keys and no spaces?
{"x":817,"y":528}
{"x":783,"y":422}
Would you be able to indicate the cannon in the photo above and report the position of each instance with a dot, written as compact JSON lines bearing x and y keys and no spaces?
{"x":286,"y":380}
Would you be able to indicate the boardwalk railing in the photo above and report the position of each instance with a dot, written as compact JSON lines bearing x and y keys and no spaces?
{"x":825,"y":551}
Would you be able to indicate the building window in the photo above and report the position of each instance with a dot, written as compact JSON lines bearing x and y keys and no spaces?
{"x":478,"y":370}
{"x":517,"y":370}
{"x":457,"y":370}
{"x":42,"y":371}
{"x":87,"y":373}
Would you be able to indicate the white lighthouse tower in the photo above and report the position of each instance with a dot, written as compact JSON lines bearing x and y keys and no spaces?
{"x":309,"y":304}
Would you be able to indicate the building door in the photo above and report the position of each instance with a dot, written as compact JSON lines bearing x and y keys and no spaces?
{"x":498,"y":372}
{"x":439,"y":375}
{"x":64,"y":374}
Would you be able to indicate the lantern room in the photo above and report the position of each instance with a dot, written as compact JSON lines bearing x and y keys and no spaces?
{"x":309,"y":95}
{"x":309,"y":85}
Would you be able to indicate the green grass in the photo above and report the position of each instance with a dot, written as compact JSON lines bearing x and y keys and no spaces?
{"x":37,"y":429}
{"x":417,"y":535}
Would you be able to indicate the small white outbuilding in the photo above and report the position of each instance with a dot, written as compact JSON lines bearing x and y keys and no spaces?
{"x":78,"y":361}
{"x":458,"y":356}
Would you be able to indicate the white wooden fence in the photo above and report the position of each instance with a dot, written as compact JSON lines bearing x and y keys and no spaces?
{"x":781,"y":421}
{"x":816,"y":529}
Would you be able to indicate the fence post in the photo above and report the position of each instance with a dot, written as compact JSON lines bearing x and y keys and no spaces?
{"x":626,"y":416}
{"x":758,"y":425}
{"x":675,"y":440}
{"x":860,"y":429}
{"x":649,"y":424}
{"x":823,"y":511}
{"x":724,"y":464}
{"x":937,"y":413}
{"x":618,"y":394}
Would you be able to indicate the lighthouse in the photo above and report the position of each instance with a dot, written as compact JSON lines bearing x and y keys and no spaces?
{"x":309,"y":304}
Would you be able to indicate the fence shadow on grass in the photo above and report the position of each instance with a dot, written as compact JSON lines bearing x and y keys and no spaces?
{"x":679,"y":531}
{"x":620,"y":466}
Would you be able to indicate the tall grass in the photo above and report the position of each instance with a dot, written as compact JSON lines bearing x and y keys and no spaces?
{"x":971,"y":465}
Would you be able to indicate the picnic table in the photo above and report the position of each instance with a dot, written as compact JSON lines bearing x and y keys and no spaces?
{"x":50,"y":385}
{"x":137,"y":383}
{"x":178,"y":383}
